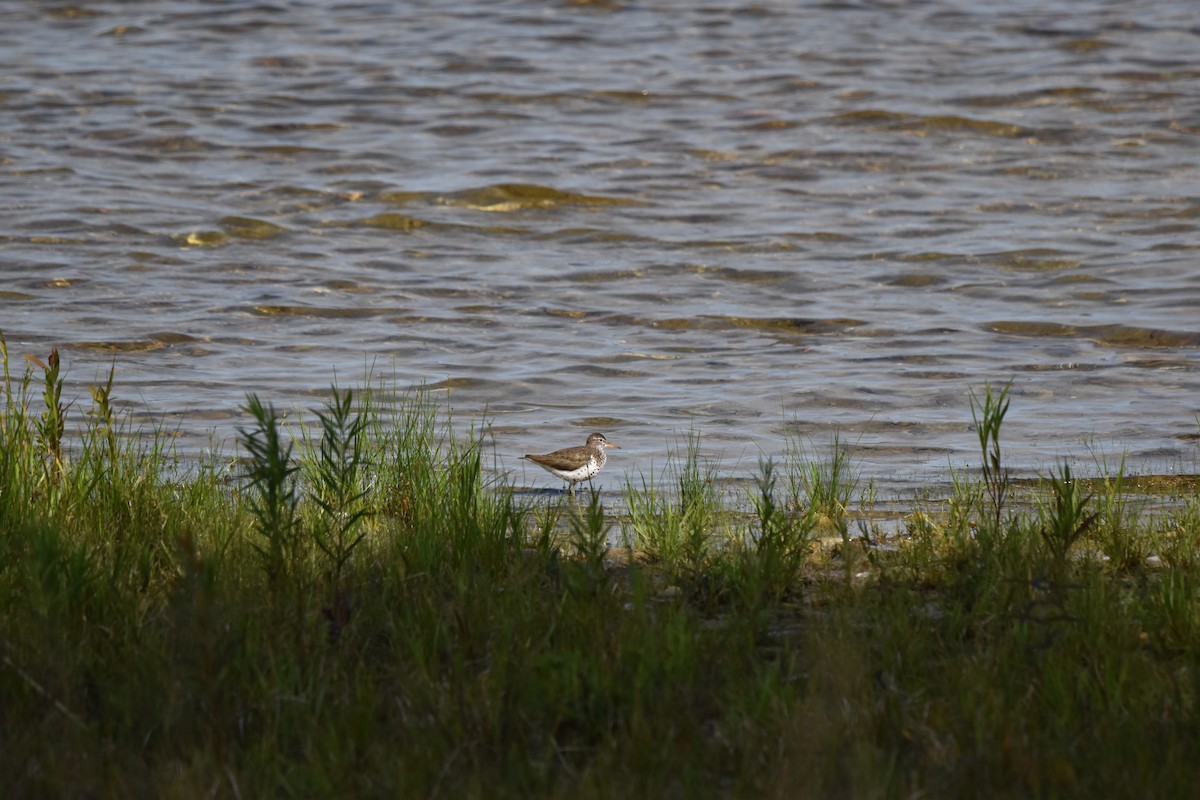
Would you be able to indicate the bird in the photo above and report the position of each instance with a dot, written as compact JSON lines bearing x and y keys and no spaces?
{"x":575,"y":464}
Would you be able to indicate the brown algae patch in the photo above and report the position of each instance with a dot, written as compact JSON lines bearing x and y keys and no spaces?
{"x":923,"y":125}
{"x":806,"y":327}
{"x":1039,"y":329}
{"x":793,"y":326}
{"x":351,"y":287}
{"x":506,"y":197}
{"x":1123,"y":336}
{"x":402,"y":198}
{"x":755,"y":277}
{"x":933,"y":255}
{"x":1161,"y":486}
{"x":568,"y":313}
{"x":1161,"y":363}
{"x":458,"y":383}
{"x":650,"y":356}
{"x":952,"y":122}
{"x":600,"y":422}
{"x":1033,"y":260}
{"x":1085,"y":45}
{"x":1107,"y":335}
{"x":392,"y":221}
{"x":917,"y":281}
{"x":324,"y":313}
{"x":249,"y":228}
{"x":118,"y":347}
{"x":201,"y":239}
{"x":1082,"y":277}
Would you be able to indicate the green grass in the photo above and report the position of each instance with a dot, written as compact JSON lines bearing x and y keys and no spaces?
{"x":358,"y":607}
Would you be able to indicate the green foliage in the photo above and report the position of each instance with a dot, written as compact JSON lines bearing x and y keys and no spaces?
{"x":17,"y":484}
{"x":988,"y":417}
{"x":825,"y":488}
{"x":675,"y":525}
{"x":589,"y":529}
{"x":779,"y":544}
{"x":271,"y":489}
{"x":1117,"y":526}
{"x":53,"y":420}
{"x":336,"y":488}
{"x":160,"y":636}
{"x":104,"y":425}
{"x":1066,"y":518}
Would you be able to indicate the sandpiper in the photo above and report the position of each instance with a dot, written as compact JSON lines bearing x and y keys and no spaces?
{"x":575,"y":464}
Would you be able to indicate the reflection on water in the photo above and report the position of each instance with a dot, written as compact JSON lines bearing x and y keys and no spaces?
{"x":740,"y":221}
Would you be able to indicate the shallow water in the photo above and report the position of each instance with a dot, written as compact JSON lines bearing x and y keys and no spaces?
{"x":643,"y":218}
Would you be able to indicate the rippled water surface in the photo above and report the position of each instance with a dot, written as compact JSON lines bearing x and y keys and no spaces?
{"x":644,"y":218}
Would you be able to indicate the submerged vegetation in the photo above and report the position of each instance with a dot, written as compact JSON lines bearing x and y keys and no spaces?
{"x":360,"y":608}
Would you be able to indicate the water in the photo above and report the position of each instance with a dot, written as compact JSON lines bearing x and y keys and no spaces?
{"x":643,"y":218}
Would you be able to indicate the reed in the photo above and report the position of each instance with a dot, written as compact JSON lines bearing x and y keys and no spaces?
{"x":988,"y":415}
{"x":373,"y":612}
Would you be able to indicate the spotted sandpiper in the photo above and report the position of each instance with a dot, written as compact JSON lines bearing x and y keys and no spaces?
{"x":575,"y":464}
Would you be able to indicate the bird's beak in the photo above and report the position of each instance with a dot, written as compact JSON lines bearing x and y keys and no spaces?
{"x":610,"y":444}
